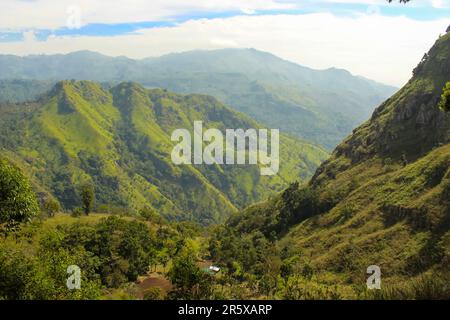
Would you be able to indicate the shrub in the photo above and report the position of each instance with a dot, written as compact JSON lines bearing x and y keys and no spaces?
{"x":299,"y":288}
{"x":426,"y":287}
{"x":44,"y":277}
{"x":151,"y":215}
{"x":50,"y":206}
{"x":444,"y":104}
{"x":154,"y":293}
{"x":190,"y":282}
{"x":77,"y":212}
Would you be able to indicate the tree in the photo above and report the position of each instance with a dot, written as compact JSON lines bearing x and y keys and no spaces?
{"x":43,"y":276}
{"x":150,"y":215}
{"x":190,"y":282}
{"x":87,"y":197}
{"x":15,"y":275}
{"x":50,"y":206}
{"x":444,"y":104}
{"x":18,"y":202}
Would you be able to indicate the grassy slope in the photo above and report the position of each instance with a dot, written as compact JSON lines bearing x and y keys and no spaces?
{"x":120,"y":140}
{"x":392,"y":177}
{"x":397,"y":219}
{"x":389,"y":186}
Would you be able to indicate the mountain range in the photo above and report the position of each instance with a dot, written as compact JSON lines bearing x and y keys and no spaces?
{"x":119,"y":140}
{"x":320,"y":106}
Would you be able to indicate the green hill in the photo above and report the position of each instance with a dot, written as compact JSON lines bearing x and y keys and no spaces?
{"x":321,"y":106}
{"x":120,"y":140}
{"x":383,"y":198}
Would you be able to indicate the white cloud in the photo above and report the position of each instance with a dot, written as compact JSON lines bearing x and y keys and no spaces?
{"x":378,"y":47}
{"x":440,"y":3}
{"x":414,"y":3}
{"x":51,"y":14}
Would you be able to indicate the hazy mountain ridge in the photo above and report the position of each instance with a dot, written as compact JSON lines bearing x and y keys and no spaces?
{"x":321,"y":106}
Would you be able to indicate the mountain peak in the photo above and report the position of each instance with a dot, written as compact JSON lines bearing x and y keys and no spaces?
{"x":69,"y":92}
{"x":78,"y":85}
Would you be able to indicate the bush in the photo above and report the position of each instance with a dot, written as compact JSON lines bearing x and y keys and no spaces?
{"x":50,"y":206}
{"x":14,"y":275}
{"x":444,"y":104}
{"x":77,"y":212}
{"x":299,"y":288}
{"x":44,"y":277}
{"x":150,"y":215}
{"x":154,"y":294}
{"x":426,"y":287}
{"x":190,"y":282}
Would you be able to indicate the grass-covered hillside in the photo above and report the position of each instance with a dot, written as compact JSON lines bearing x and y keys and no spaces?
{"x":383,"y":198}
{"x":119,"y":140}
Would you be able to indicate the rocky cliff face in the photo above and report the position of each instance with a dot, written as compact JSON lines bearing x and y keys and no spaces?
{"x":406,"y":126}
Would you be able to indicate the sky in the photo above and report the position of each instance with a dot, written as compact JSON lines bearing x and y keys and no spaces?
{"x":370,"y":38}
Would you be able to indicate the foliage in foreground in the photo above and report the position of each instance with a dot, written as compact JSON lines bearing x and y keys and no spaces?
{"x":111,"y":253}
